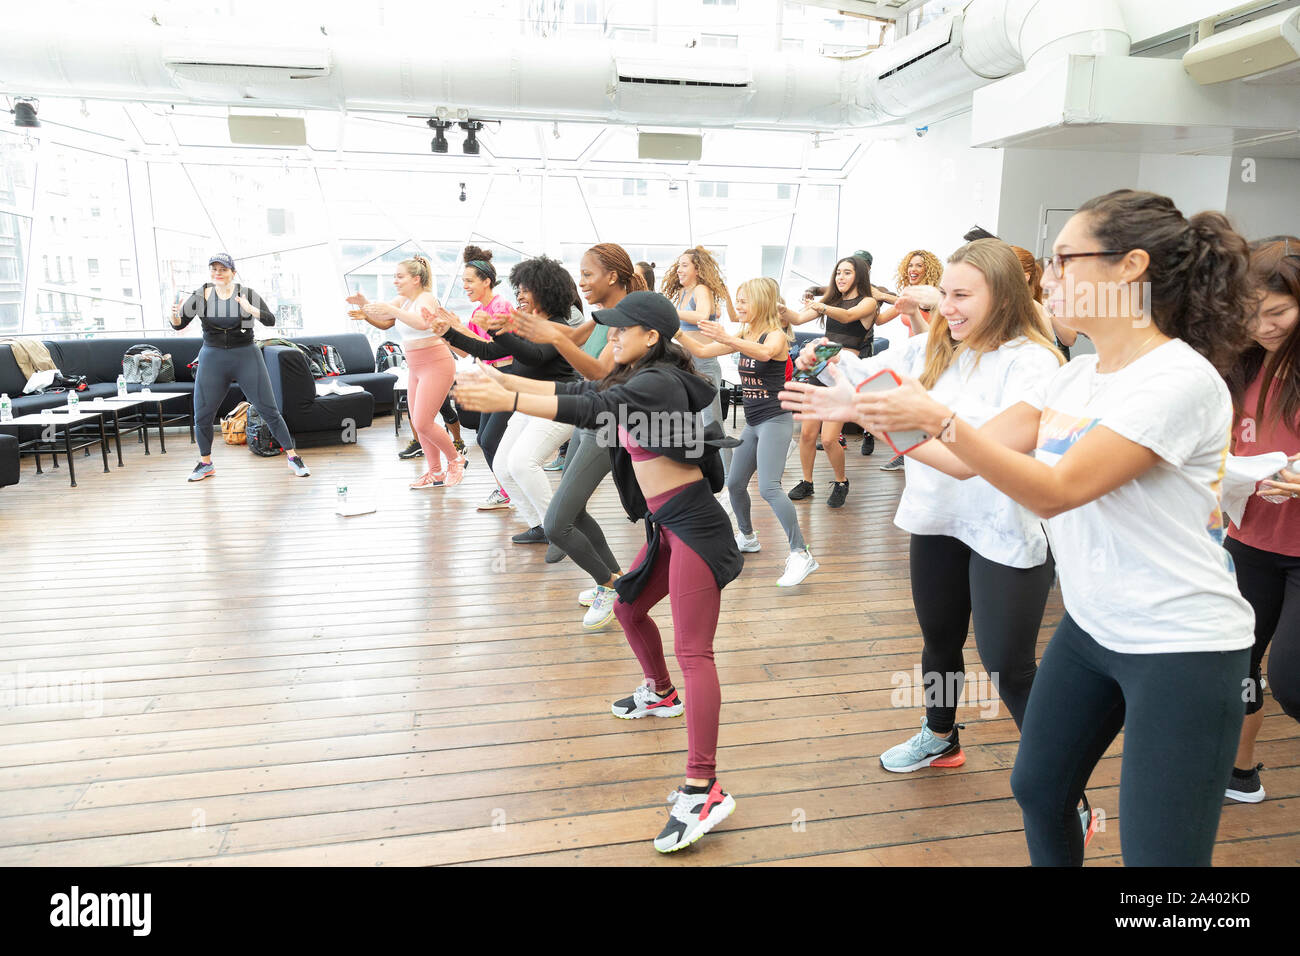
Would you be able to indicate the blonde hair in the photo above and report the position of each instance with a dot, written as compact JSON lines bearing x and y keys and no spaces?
{"x":933,"y":268}
{"x":710,"y":275}
{"x":418,"y":267}
{"x":763,"y":298}
{"x":1011,"y":312}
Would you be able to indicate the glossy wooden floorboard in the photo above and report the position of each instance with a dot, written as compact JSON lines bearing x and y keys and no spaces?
{"x":229,"y":673}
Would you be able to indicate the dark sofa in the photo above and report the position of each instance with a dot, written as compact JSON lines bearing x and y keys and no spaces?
{"x":315,"y":419}
{"x":9,"y":471}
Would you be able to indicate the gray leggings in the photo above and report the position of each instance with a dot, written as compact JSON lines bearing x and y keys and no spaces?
{"x":244,"y":365}
{"x":764,"y":448}
{"x":567,"y":524}
{"x":711,"y":369}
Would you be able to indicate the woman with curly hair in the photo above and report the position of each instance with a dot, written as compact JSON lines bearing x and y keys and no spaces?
{"x":695,"y":285}
{"x":1265,"y":548}
{"x":919,"y":267}
{"x":545,"y":290}
{"x":1122,"y":455}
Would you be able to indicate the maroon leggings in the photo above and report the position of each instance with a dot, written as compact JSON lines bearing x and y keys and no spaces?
{"x":681,"y":574}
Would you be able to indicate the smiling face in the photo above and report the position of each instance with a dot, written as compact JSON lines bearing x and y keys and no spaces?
{"x":965,"y":299}
{"x":742,"y":305}
{"x":525,"y":301}
{"x":631,"y":342}
{"x":406,"y":285}
{"x":687,"y":274}
{"x":915,"y":270}
{"x":1275,"y":320}
{"x":1093,"y":289}
{"x":594,"y":281}
{"x":220,"y":275}
{"x":846,"y":278}
{"x":477,"y":289}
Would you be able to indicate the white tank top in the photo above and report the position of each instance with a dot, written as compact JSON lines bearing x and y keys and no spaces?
{"x":408,"y":334}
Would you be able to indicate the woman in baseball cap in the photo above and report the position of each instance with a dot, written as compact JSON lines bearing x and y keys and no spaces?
{"x":667,"y":469}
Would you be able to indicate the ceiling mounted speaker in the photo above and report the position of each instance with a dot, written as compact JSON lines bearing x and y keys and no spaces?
{"x":1256,"y":47}
{"x":684,"y":147}
{"x":268,"y":130}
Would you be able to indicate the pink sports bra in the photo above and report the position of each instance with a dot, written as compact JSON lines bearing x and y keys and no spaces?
{"x":636,"y":451}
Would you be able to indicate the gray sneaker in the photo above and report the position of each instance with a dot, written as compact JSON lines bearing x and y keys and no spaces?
{"x":894,"y":464}
{"x":202,"y":470}
{"x":926,"y":749}
{"x":297,"y":466}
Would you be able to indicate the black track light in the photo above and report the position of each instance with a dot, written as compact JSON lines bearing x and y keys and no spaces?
{"x":471,"y":128}
{"x":439,"y":128}
{"x":25,"y":114}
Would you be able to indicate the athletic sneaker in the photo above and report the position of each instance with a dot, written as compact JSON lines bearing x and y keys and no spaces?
{"x":586,"y":597}
{"x":298,"y":467}
{"x":1244,"y":785}
{"x":429,"y":480}
{"x":601,"y":610}
{"x":801,"y":491}
{"x":202,"y":470}
{"x":693,"y":815}
{"x":868,"y":444}
{"x":747,"y":542}
{"x":455,"y":472}
{"x":1088,"y":821}
{"x":894,"y":464}
{"x":459,"y":445}
{"x":798,"y":566}
{"x":534,"y":535}
{"x":556,"y":465}
{"x":413,"y":450}
{"x":645,"y":701}
{"x":496,"y":501}
{"x":839,"y":491}
{"x":924,"y":750}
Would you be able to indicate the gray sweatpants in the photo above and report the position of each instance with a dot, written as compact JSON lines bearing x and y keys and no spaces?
{"x":218,"y":368}
{"x":567,"y":524}
{"x":763,"y":448}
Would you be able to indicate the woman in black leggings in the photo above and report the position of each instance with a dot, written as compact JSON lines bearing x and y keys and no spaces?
{"x":1265,"y":548}
{"x":227,"y":310}
{"x":1128,"y":452}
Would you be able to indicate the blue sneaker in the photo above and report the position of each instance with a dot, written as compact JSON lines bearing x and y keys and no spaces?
{"x":202,"y":470}
{"x":924,"y":750}
{"x":298,"y":468}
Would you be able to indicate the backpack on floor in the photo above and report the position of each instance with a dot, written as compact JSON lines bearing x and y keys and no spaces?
{"x":234,"y":427}
{"x":259,"y":437}
{"x":389,"y":355}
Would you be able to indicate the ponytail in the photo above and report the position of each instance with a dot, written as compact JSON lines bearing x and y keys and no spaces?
{"x":1198,"y":271}
{"x":418,"y":266}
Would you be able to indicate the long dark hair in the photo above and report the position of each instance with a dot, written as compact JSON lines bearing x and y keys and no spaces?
{"x":1274,"y":267}
{"x":663,"y":352}
{"x":861,"y":280}
{"x":1198,"y":271}
{"x":648,"y":270}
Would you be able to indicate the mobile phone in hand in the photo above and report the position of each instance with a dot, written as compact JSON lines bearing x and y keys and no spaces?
{"x":904,"y":441}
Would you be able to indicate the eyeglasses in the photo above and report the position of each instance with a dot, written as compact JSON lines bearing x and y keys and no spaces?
{"x":1057,"y":262}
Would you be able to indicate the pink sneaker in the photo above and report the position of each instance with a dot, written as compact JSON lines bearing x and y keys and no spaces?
{"x":428,"y":480}
{"x":455,"y":472}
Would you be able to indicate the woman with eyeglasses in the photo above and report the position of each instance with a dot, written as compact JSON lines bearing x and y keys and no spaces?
{"x":1122,"y":455}
{"x":1265,"y":548}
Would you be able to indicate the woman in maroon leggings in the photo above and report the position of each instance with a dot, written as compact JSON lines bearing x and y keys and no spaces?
{"x":667,"y":470}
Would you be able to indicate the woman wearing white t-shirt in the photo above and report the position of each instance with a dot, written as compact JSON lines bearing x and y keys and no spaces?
{"x":1128,"y":450}
{"x":973,"y":551}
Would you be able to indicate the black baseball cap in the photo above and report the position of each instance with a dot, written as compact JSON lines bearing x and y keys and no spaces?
{"x":224,"y":259}
{"x":650,"y":309}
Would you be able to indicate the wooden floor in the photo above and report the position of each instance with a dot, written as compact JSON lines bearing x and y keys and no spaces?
{"x":250,"y":679}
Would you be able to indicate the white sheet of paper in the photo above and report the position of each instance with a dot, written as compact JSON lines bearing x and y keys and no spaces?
{"x":356,"y":506}
{"x":1240,"y":476}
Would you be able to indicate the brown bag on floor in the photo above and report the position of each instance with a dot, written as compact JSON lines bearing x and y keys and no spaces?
{"x":235,"y":425}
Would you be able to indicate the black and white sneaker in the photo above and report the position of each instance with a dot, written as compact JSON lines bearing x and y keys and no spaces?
{"x":644,"y":701}
{"x":1244,"y":786}
{"x":413,"y":450}
{"x":693,"y":815}
{"x":868,"y":444}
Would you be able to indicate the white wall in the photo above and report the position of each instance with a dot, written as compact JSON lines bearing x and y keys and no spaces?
{"x":1034,"y":179}
{"x":919,"y":194}
{"x":1270,"y":204}
{"x":1194,"y":183}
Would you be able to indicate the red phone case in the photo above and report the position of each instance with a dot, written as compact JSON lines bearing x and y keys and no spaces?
{"x":920,"y":437}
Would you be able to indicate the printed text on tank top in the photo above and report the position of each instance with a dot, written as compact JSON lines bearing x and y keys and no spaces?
{"x":760,"y":382}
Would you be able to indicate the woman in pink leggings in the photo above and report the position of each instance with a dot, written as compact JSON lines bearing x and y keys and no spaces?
{"x":430,"y":366}
{"x":667,"y":470}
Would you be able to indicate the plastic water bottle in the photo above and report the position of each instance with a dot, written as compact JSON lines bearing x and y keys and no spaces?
{"x":73,"y":401}
{"x":6,"y":408}
{"x":121,"y":386}
{"x":342,"y":491}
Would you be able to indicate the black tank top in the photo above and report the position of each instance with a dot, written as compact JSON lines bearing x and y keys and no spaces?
{"x":851,"y":335}
{"x":760,"y":382}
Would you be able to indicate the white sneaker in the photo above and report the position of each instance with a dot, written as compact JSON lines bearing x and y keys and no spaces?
{"x":495,"y":501}
{"x":586,"y":597}
{"x":601,"y":609}
{"x":747,"y":542}
{"x":798,"y":566}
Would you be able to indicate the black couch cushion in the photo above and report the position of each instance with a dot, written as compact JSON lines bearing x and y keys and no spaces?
{"x":9,"y":459}
{"x":304,"y":412}
{"x":377,"y":384}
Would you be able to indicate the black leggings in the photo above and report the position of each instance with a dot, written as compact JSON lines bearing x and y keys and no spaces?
{"x":1181,"y":715}
{"x":448,"y":412}
{"x":1271,"y":583}
{"x":491,"y":429}
{"x":950,"y":582}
